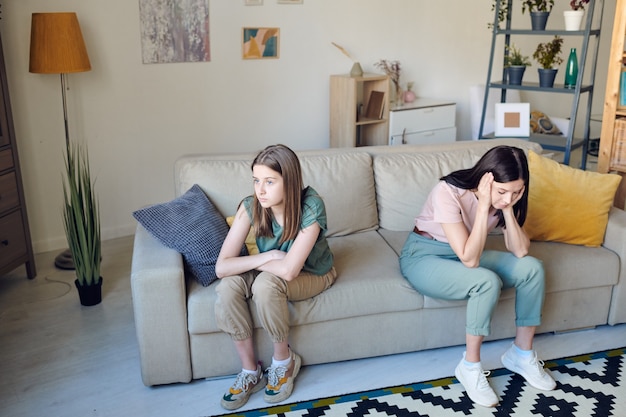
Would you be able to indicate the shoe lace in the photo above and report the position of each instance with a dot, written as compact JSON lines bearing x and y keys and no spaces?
{"x":275,"y":374}
{"x":482,"y":382}
{"x":243,"y":381}
{"x":537,"y":365}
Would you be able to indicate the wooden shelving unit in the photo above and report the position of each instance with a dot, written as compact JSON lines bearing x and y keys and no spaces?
{"x":349,"y":97}
{"x":612,"y":152}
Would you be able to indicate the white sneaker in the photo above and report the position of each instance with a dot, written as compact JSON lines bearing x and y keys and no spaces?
{"x":529,"y":367}
{"x":474,"y":380}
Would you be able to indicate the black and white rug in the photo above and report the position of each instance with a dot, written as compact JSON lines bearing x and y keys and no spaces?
{"x":591,"y":385}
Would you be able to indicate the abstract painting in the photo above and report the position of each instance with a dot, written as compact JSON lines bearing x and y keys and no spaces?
{"x":174,"y":31}
{"x":260,"y":43}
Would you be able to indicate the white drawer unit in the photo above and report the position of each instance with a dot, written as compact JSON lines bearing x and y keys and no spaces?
{"x":425,"y":121}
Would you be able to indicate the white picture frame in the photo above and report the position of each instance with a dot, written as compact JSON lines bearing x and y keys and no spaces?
{"x":253,"y":2}
{"x":289,"y":1}
{"x":512,"y":120}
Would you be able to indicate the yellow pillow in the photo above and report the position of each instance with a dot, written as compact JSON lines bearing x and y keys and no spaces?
{"x":566,"y":204}
{"x":250,"y":239}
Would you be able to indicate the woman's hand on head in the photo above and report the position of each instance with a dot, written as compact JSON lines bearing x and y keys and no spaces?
{"x":483,"y":191}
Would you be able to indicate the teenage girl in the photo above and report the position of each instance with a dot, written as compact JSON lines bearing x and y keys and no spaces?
{"x":294,"y":263}
{"x":445,"y":257}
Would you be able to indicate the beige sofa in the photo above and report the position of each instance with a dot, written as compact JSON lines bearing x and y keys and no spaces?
{"x":372,"y":195}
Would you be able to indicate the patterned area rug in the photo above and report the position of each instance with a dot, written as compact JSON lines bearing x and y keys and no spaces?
{"x":591,"y":385}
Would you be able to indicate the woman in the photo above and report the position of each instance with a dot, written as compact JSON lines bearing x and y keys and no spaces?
{"x":445,"y":258}
{"x":294,"y":263}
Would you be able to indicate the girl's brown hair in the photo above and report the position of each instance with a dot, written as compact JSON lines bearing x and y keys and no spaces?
{"x":283,"y":160}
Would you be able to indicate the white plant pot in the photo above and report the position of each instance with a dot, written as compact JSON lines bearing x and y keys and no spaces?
{"x":573,"y":19}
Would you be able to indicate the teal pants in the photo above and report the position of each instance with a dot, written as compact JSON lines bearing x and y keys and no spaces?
{"x":434,"y":270}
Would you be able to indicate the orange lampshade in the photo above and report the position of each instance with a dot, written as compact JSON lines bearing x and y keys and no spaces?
{"x":56,"y":44}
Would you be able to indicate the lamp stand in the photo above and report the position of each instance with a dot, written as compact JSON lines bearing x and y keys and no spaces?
{"x":64,"y":259}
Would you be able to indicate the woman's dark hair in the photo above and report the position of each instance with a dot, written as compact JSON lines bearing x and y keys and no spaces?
{"x":283,"y":160}
{"x":506,"y":163}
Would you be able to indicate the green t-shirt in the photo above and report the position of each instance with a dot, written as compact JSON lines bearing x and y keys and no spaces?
{"x":320,"y":260}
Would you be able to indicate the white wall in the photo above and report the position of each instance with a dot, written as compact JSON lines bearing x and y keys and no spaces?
{"x":137,"y":119}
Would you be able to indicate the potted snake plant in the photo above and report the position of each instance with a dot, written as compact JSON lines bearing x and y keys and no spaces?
{"x":81,"y":219}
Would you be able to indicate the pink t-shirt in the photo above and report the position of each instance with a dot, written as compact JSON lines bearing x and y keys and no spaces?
{"x":449,"y":204}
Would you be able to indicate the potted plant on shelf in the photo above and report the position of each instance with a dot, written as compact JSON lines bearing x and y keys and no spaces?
{"x":503,"y":10}
{"x":548,"y":55}
{"x":81,"y":220}
{"x":515,"y":63}
{"x":574,"y":16}
{"x":539,"y":12}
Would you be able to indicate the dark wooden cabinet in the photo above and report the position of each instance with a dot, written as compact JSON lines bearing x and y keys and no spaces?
{"x":15,"y":244}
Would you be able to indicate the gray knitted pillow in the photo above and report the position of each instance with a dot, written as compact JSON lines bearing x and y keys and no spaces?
{"x":191,"y":225}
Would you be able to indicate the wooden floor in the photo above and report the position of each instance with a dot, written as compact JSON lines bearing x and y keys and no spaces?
{"x":58,"y":358}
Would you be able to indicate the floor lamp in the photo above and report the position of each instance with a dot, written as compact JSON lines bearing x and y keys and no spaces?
{"x":57,"y":47}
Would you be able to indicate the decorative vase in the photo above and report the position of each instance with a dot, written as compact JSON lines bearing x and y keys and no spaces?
{"x":409,"y":96}
{"x":399,"y":93}
{"x":571,"y":70}
{"x":573,"y":19}
{"x":515,"y":74}
{"x":356,"y":70}
{"x":89,"y":295}
{"x":538,"y":20}
{"x":546,"y":77}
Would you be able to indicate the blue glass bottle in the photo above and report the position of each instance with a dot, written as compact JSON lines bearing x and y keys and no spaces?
{"x":571,"y":70}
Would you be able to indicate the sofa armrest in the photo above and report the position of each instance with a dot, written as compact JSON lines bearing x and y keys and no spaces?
{"x":615,"y":240}
{"x":160,"y":309}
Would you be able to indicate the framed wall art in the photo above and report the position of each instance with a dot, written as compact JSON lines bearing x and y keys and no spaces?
{"x":174,"y":31}
{"x":512,"y":119}
{"x":290,"y":1}
{"x":260,"y":43}
{"x":253,"y":2}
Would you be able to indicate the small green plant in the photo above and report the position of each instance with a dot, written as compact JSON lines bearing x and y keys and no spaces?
{"x":537,"y":5}
{"x":502,"y":11}
{"x":548,"y":54}
{"x":515,"y":58}
{"x":81,"y":216}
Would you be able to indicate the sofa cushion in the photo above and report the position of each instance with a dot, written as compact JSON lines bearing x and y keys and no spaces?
{"x":344,"y":180}
{"x":570,"y":267}
{"x":566,"y":204}
{"x":192,"y":226}
{"x":346,"y":183}
{"x":403,"y":182}
{"x":368,"y":283}
{"x":405,"y":174}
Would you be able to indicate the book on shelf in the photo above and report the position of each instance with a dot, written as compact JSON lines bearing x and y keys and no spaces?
{"x":375,"y":105}
{"x":622,"y":88}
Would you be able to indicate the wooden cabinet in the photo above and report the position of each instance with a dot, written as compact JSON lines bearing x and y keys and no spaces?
{"x":425,"y":121}
{"x":349,"y":98}
{"x":612,"y":153}
{"x":15,"y":244}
